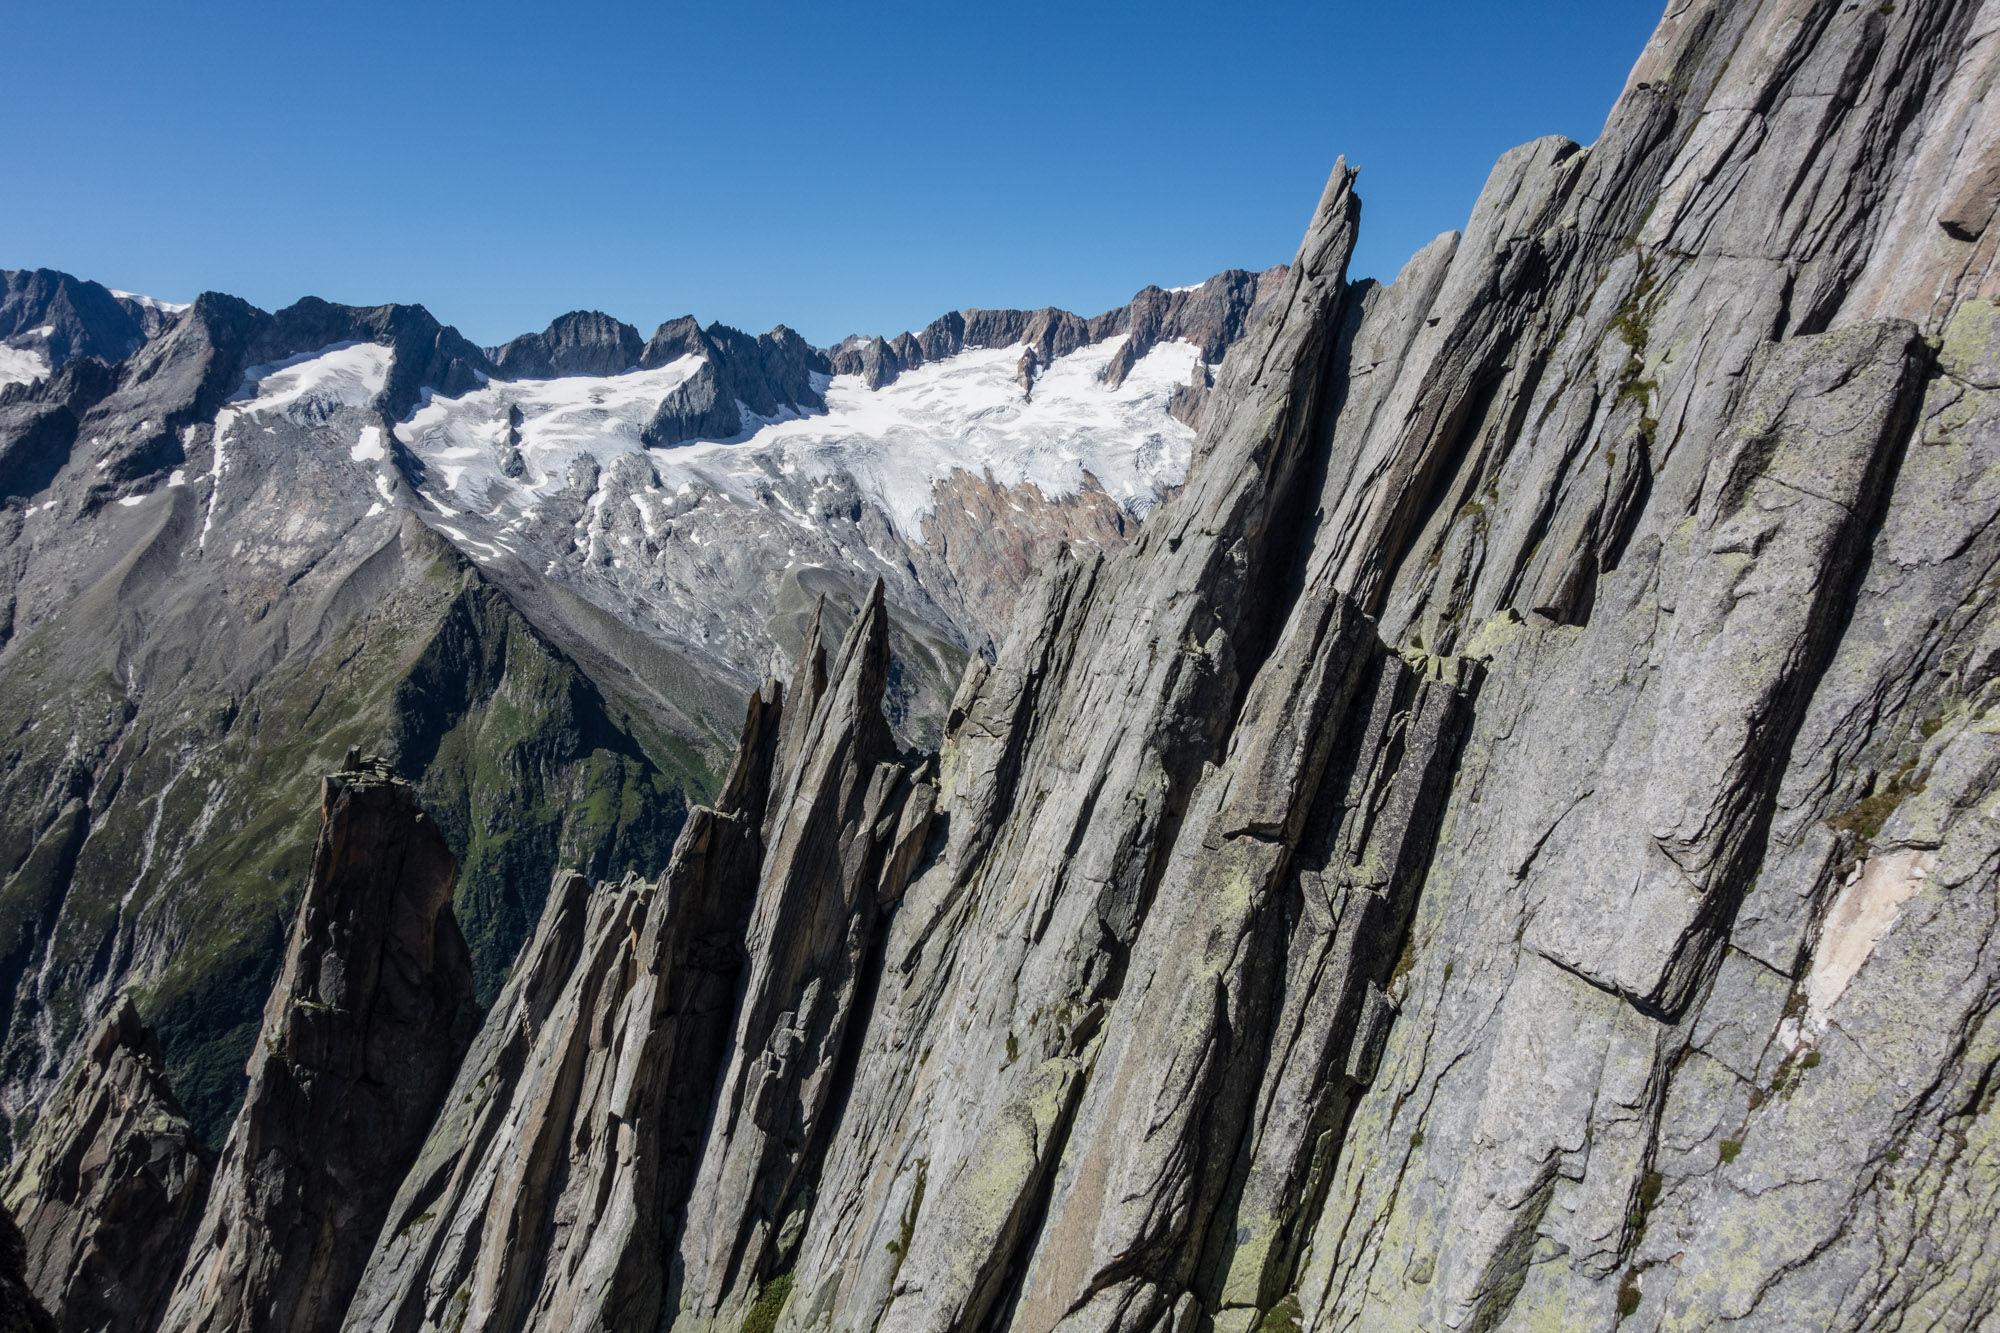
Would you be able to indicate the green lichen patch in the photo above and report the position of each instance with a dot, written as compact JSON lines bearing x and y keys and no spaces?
{"x":1629,"y":1294}
{"x":1284,"y":1317}
{"x":770,"y":1303}
{"x":1865,"y":818}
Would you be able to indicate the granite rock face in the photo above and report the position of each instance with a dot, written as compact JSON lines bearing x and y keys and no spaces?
{"x":549,"y":1188}
{"x":109,"y":1186}
{"x":767,"y":376}
{"x":579,"y":1137}
{"x":361,"y":1037}
{"x":1512,"y":844}
{"x":583,"y":342}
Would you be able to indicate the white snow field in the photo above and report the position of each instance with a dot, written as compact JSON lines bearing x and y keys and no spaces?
{"x":22,"y":365}
{"x":895,"y":443}
{"x":307,"y":388}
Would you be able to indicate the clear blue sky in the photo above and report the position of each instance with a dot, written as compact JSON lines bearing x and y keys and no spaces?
{"x":836,"y":167}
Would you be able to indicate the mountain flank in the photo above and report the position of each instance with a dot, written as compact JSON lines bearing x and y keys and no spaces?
{"x":1509,"y":841}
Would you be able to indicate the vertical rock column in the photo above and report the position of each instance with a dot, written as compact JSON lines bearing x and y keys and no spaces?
{"x":361,"y":1036}
{"x":835,"y":812}
{"x":548,"y":1192}
{"x":109,"y":1186}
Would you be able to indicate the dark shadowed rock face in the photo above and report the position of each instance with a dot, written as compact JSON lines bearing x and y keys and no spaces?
{"x":767,"y":376}
{"x":361,"y":1036}
{"x":39,"y":422}
{"x":109,"y":1185}
{"x":583,"y":342}
{"x":63,"y":317}
{"x":20,"y":1312}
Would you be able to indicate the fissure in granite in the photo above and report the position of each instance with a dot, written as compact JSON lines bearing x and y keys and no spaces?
{"x":1513,"y":844}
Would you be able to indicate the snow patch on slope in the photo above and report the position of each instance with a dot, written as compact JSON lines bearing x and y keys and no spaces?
{"x":307,"y":388}
{"x":561,"y":420}
{"x":343,"y":375}
{"x":969,"y":411}
{"x":151,"y":302}
{"x":22,"y":365}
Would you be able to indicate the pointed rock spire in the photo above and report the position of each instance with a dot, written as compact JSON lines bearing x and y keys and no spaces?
{"x":833,"y":819}
{"x":363,"y":1029}
{"x":109,"y":1185}
{"x":552,"y":1182}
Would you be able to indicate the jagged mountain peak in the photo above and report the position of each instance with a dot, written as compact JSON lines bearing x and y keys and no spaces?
{"x":1211,"y":315}
{"x":1508,"y":842}
{"x":48,"y":317}
{"x":583,"y":342}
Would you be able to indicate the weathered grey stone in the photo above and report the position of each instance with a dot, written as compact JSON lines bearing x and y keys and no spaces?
{"x":363,"y":1030}
{"x":550,"y":1186}
{"x":109,"y":1185}
{"x":1511,"y":845}
{"x":835,"y":810}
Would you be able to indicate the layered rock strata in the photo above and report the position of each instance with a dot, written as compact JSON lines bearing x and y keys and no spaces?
{"x":1455,"y":866}
{"x":109,"y":1186}
{"x":585,"y":1128}
{"x":1513,"y":844}
{"x":847,"y":818}
{"x":548,"y":1190}
{"x":361,"y":1036}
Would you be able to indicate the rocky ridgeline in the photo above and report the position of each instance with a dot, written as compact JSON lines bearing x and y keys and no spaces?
{"x":62,"y":318}
{"x":1511,"y":845}
{"x":1212,"y":316}
{"x":772,"y":375}
{"x":766,"y":376}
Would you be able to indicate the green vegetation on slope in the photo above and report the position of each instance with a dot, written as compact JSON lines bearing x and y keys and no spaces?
{"x":165,"y":833}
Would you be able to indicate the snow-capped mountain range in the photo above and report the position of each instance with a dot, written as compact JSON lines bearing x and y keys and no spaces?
{"x":543,"y":577}
{"x":903,"y":458}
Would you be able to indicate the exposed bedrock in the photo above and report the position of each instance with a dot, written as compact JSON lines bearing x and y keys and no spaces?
{"x":1458,"y":866}
{"x":846,"y":818}
{"x":143,"y":418}
{"x":1512,"y":844}
{"x":20,"y":1312}
{"x":64,"y":317}
{"x":363,"y":1031}
{"x":108,"y":1186}
{"x":549,"y":1189}
{"x":583,"y":342}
